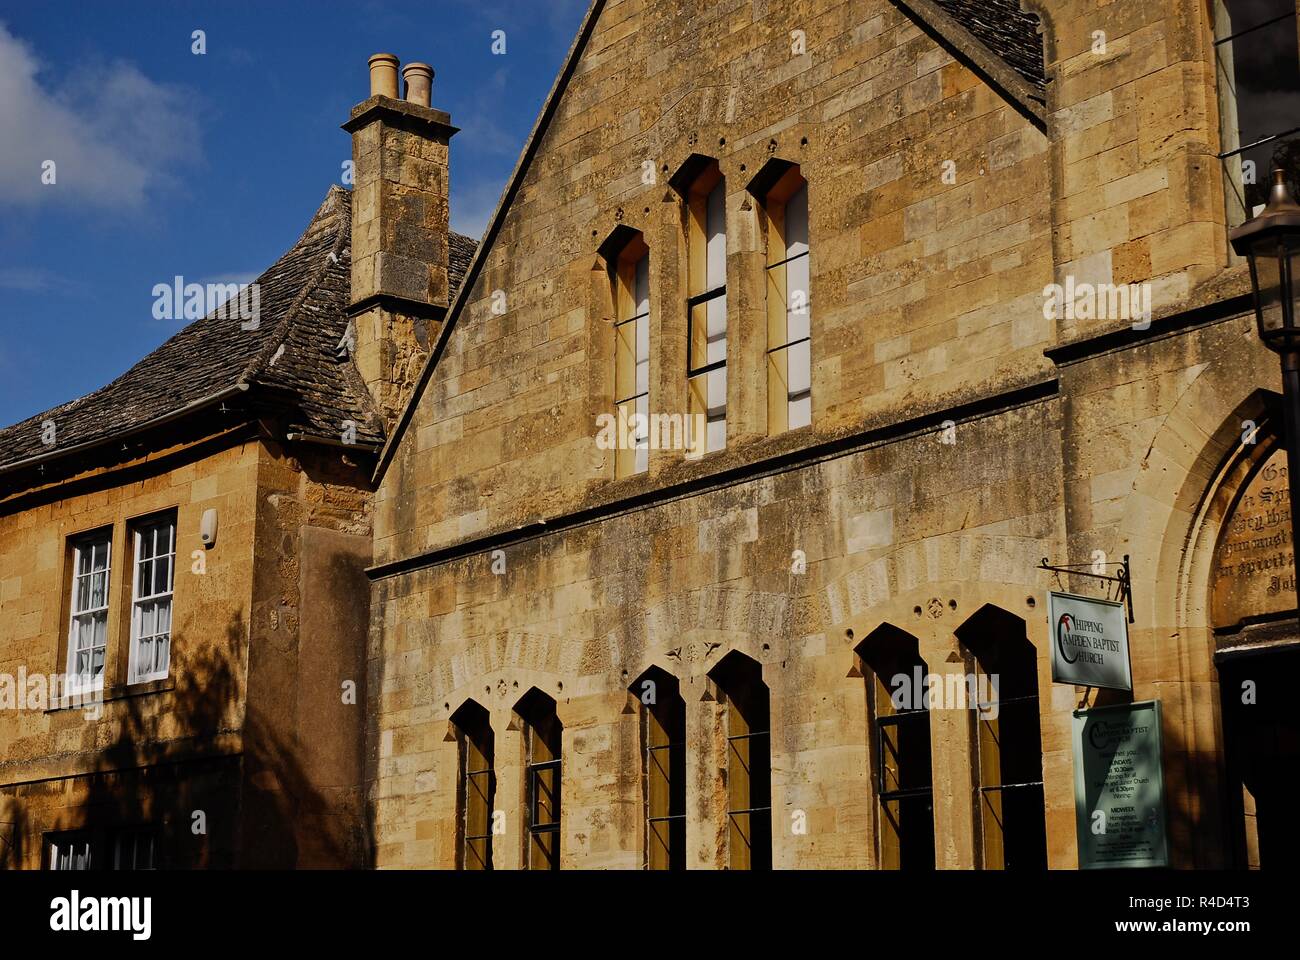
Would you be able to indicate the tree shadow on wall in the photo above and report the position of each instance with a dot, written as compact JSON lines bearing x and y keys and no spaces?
{"x":1197,"y":817}
{"x":13,"y":836}
{"x":173,"y":764}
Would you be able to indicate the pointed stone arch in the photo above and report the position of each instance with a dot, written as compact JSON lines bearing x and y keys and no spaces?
{"x":1195,"y":467}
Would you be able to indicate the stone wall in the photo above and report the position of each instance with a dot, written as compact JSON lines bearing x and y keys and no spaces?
{"x":959,"y":434}
{"x":60,"y":767}
{"x":580,"y":614}
{"x":923,"y":291}
{"x":259,"y":724}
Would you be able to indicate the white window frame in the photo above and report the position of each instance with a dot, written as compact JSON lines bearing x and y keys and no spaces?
{"x":140,"y":600}
{"x":75,"y":684}
{"x":707,"y":376}
{"x":65,"y":848}
{"x":793,"y":256}
{"x":634,"y":329}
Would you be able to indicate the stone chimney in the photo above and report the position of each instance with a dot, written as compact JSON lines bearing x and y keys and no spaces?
{"x":399,"y":229}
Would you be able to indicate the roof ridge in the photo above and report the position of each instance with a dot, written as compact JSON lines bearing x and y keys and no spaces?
{"x":327,"y":210}
{"x":995,"y":69}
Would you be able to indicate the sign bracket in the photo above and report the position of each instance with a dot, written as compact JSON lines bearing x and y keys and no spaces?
{"x":1124,"y":585}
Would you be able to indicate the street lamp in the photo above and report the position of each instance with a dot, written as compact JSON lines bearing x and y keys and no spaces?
{"x":1271,"y":243}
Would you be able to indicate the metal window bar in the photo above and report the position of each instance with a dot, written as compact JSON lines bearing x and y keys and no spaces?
{"x":535,"y":829}
{"x":1258,"y":26}
{"x":789,"y":259}
{"x":1259,"y":143}
{"x":470,"y":776}
{"x":884,"y":793}
{"x":643,"y":393}
{"x":534,"y":770}
{"x":1290,"y":15}
{"x":1002,"y":700}
{"x":691,"y":304}
{"x":998,"y":787}
{"x":1012,"y":786}
{"x":792,"y":343}
{"x":650,"y":752}
{"x":468,"y":839}
{"x":748,"y":736}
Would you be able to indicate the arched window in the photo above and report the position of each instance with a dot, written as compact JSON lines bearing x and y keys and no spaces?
{"x":663,"y":747}
{"x":1010,"y":768}
{"x":739,"y":680}
{"x":783,"y":194}
{"x":475,"y":788}
{"x":630,"y":275}
{"x":895,"y":678}
{"x":706,"y":347}
{"x":542,"y":745}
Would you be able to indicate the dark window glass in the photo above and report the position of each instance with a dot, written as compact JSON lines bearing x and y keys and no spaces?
{"x":1258,"y":72}
{"x":543,"y":734}
{"x":749,"y":763}
{"x":894,"y":674}
{"x":1010,"y":763}
{"x":663,"y":739}
{"x":477,"y":786}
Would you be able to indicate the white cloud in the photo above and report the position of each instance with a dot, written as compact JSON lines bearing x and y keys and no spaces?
{"x":113,"y":134}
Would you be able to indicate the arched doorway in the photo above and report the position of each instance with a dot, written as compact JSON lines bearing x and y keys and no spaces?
{"x":1257,"y":653}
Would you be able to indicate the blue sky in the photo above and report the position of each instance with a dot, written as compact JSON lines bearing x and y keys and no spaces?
{"x":209,"y":166}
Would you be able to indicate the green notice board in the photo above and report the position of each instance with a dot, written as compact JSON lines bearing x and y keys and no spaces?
{"x":1119,"y":786}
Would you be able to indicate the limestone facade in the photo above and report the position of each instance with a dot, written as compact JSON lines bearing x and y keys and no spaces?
{"x":959,"y":433}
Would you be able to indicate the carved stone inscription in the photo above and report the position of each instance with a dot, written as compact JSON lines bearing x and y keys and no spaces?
{"x":1254,"y":569}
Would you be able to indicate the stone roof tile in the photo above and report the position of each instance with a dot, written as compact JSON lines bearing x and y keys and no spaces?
{"x":294,"y":349}
{"x":1007,"y":31}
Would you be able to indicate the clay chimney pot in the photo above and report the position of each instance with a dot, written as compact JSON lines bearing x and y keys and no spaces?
{"x":419,"y":83}
{"x":383,"y":75}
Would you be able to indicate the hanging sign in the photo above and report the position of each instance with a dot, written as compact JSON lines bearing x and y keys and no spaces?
{"x":1089,"y":642}
{"x":1119,"y":786}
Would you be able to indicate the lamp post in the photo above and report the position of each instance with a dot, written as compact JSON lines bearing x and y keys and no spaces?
{"x":1271,"y":243}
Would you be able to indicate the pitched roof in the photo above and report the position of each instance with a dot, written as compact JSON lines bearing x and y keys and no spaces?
{"x":1005,"y":29}
{"x":294,"y":352}
{"x":996,"y":39}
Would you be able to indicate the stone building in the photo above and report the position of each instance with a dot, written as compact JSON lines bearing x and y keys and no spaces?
{"x":814,"y":245}
{"x":183,"y":603}
{"x":802,"y":334}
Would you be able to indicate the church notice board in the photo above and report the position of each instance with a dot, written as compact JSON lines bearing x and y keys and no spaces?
{"x":1089,"y":642}
{"x":1119,"y":786}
